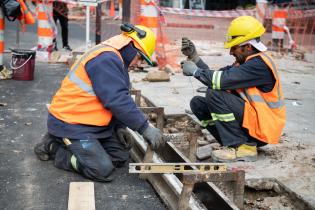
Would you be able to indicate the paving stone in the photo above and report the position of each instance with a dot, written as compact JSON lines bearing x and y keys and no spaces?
{"x":204,"y":152}
{"x":158,"y":76}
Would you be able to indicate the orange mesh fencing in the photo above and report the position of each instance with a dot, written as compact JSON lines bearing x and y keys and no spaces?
{"x":211,"y":26}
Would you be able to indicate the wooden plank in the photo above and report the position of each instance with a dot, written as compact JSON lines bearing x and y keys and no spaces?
{"x":81,"y":196}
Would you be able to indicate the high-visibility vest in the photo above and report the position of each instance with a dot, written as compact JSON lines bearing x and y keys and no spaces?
{"x":278,"y":22}
{"x":76,"y":102}
{"x":264,"y":113}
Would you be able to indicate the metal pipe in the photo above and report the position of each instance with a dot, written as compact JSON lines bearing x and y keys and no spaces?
{"x":87,"y":29}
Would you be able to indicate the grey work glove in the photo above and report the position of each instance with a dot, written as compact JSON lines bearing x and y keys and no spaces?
{"x":189,"y":68}
{"x":153,"y":136}
{"x":125,"y":137}
{"x":189,"y":49}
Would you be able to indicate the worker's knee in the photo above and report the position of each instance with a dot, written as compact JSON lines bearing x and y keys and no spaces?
{"x":196,"y":102}
{"x":213,"y":96}
{"x":105,"y":169}
{"x":99,"y":171}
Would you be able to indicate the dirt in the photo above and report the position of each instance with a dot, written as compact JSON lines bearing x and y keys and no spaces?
{"x":287,"y":159}
{"x":182,"y":129}
{"x":265,"y":197}
{"x":270,"y":200}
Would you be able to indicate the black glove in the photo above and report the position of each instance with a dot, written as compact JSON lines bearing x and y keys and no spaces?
{"x":189,"y":49}
{"x":153,"y":136}
{"x":125,"y":137}
{"x":189,"y":68}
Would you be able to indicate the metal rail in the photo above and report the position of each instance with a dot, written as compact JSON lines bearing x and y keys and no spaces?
{"x":205,"y":195}
{"x":191,"y":188}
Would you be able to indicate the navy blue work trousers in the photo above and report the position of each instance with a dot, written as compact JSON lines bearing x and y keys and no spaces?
{"x":228,"y":131}
{"x":95,"y":159}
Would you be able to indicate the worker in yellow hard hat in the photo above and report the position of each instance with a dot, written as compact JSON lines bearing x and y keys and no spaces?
{"x":89,"y":114}
{"x":243,"y":106}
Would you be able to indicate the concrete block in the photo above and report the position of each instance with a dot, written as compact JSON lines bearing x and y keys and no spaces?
{"x":204,"y":152}
{"x":158,"y":76}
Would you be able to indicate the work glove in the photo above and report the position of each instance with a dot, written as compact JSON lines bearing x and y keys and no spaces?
{"x":189,"y":49}
{"x":154,"y":137}
{"x":125,"y":137}
{"x":189,"y":68}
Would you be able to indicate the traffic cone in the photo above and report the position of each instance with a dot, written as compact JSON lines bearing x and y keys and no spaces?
{"x":26,"y":14}
{"x":112,"y":9}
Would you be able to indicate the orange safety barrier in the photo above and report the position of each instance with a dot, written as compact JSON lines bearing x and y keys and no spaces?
{"x":279,"y":17}
{"x":149,"y":15}
{"x":26,"y":16}
{"x":1,"y":36}
{"x":120,"y":3}
{"x":45,"y":26}
{"x":261,"y":9}
{"x":206,"y":27}
{"x":112,"y":9}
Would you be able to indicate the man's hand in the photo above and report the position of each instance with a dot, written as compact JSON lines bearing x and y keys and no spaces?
{"x":189,"y":68}
{"x":153,"y":136}
{"x":125,"y":137}
{"x":189,"y":49}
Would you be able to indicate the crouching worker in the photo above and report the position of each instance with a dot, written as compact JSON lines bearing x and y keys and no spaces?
{"x":243,"y":107}
{"x":89,"y":114}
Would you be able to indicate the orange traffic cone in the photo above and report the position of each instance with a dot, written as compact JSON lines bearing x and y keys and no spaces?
{"x":112,"y":9}
{"x":26,"y":15}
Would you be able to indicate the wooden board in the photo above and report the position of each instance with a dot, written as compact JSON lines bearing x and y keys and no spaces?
{"x":81,"y":196}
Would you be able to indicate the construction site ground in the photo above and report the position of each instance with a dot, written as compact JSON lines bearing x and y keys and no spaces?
{"x":292,"y":162}
{"x":27,"y":183}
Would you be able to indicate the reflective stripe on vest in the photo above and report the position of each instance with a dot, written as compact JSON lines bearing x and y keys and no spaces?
{"x":75,"y":79}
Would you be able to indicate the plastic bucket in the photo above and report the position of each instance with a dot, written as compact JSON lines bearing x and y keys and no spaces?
{"x":23,"y":64}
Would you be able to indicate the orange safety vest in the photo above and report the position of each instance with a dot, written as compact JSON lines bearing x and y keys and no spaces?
{"x":76,"y":102}
{"x":264,"y":113}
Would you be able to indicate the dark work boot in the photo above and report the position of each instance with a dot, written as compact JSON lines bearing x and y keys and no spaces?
{"x":46,"y":150}
{"x":67,"y":48}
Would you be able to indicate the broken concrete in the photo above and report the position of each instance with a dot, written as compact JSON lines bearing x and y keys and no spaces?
{"x":290,"y":162}
{"x":204,"y":152}
{"x":158,"y":76}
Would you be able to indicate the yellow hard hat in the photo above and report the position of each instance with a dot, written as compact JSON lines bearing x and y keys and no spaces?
{"x":242,"y":29}
{"x":143,"y":37}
